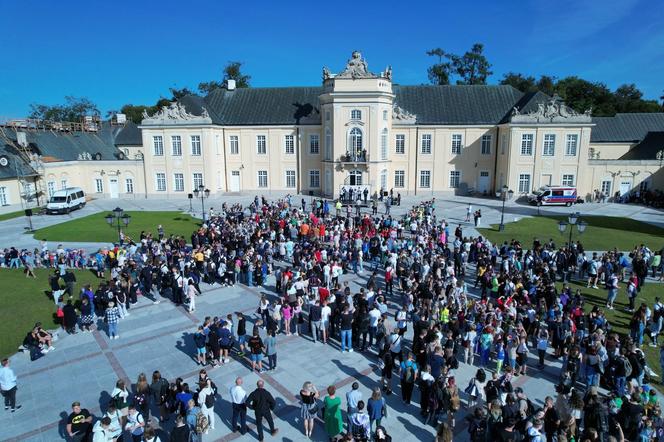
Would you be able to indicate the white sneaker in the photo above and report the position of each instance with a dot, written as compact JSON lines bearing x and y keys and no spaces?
{"x":350,"y":351}
{"x":51,"y":348}
{"x":44,"y":351}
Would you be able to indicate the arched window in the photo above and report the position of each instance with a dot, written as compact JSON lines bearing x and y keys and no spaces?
{"x":355,"y":177}
{"x":355,"y":142}
{"x":328,"y":144}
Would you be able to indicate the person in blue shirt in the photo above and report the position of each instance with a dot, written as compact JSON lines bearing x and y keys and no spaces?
{"x":408,"y":378}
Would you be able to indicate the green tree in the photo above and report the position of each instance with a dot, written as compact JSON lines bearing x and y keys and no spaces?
{"x":74,"y":109}
{"x":439,"y":73}
{"x":519,"y":81}
{"x":208,"y":86}
{"x":233,"y":71}
{"x":472,"y":67}
{"x":628,"y":98}
{"x":582,"y":95}
{"x":179,"y":93}
{"x":135,"y":112}
{"x":547,"y":84}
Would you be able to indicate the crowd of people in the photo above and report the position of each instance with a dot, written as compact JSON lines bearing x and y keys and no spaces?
{"x":413,"y":315}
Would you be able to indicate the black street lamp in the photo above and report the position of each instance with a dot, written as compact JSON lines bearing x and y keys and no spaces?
{"x":574,"y":219}
{"x":505,"y":194}
{"x":202,"y":193}
{"x":119,"y":218}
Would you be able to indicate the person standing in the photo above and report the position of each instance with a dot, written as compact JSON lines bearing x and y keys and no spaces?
{"x":112,"y":315}
{"x":308,"y":407}
{"x":408,"y":378}
{"x":206,"y":401}
{"x":469,"y":210}
{"x":332,"y":417}
{"x":271,"y":349}
{"x":352,"y":398}
{"x":261,"y":401}
{"x":79,"y":423}
{"x":135,"y":424}
{"x":8,"y":386}
{"x":376,"y":408}
{"x":256,"y":346}
{"x":347,"y":330}
{"x":159,"y":390}
{"x":238,"y":401}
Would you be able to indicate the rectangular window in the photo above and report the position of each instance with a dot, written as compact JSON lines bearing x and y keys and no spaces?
{"x":178,"y":182}
{"x":401,"y":144}
{"x":426,"y":144}
{"x":385,"y":115}
{"x":527,"y":144}
{"x":196,"y":145}
{"x":234,"y":142}
{"x":399,"y":178}
{"x":455,"y":178}
{"x":425,"y":179}
{"x":4,"y":200}
{"x":503,"y":145}
{"x":289,"y":144}
{"x":314,"y":179}
{"x":568,"y":180}
{"x":290,"y":179}
{"x":355,"y":114}
{"x":524,"y":183}
{"x":99,"y":185}
{"x":327,"y":115}
{"x":606,"y":187}
{"x":63,"y":184}
{"x":571,"y":144}
{"x":383,"y":145}
{"x":456,"y":144}
{"x":262,"y":178}
{"x":161,"y":182}
{"x":549,"y":147}
{"x":314,"y":144}
{"x":176,"y":145}
{"x":158,"y":145}
{"x":261,"y":146}
{"x":197,"y":180}
{"x":328,"y":144}
{"x":485,"y":148}
{"x":51,"y":188}
{"x":129,"y":185}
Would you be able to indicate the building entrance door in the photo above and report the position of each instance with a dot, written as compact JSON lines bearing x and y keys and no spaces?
{"x":113,"y":188}
{"x":625,"y":187}
{"x":235,"y":181}
{"x":483,"y":182}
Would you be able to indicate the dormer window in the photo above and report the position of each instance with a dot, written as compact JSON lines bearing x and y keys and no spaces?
{"x":356,"y":114}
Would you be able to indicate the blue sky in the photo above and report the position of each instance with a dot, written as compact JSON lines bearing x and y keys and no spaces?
{"x":131,"y":52}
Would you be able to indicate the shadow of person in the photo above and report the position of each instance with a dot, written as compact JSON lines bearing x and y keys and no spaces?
{"x":62,"y":425}
{"x":418,"y":431}
{"x":186,"y":345}
{"x":104,"y":400}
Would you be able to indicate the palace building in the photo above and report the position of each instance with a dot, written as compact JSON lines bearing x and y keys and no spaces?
{"x":358,"y":129}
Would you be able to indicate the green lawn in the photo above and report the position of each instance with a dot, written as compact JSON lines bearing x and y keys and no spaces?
{"x":602,"y":233}
{"x":93,"y":228}
{"x":619,"y":318}
{"x":25,"y":301}
{"x":11,"y":215}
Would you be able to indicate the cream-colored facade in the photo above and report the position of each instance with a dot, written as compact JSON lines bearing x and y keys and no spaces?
{"x":360,"y":130}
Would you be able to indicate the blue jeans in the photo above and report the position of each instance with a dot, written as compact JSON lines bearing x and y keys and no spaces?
{"x":15,"y":262}
{"x":112,"y":329}
{"x":346,"y":340}
{"x":484,"y":356}
{"x":592,"y":379}
{"x":250,"y":279}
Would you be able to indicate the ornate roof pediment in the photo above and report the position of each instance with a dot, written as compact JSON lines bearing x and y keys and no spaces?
{"x":553,"y":111}
{"x":175,"y":113}
{"x":403,"y":116}
{"x":356,"y":67}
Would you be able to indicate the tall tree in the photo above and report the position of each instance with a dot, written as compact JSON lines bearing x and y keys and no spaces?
{"x":439,"y":73}
{"x":74,"y":109}
{"x":208,"y":86}
{"x":519,"y":81}
{"x":581,"y":95}
{"x":472,"y":67}
{"x":233,"y":71}
{"x":547,"y":84}
{"x":628,"y":98}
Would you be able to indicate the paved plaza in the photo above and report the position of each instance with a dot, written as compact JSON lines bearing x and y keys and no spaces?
{"x":84,"y":367}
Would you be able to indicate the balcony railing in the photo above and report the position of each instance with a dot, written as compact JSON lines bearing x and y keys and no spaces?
{"x":361,"y":157}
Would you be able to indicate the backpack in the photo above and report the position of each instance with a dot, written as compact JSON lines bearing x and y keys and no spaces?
{"x":627,"y":366}
{"x":202,"y":423}
{"x":455,"y":400}
{"x":209,"y":400}
{"x":409,"y":374}
{"x":139,"y":399}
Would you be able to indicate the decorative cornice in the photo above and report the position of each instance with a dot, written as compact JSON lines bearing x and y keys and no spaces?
{"x":175,"y":114}
{"x":553,"y":111}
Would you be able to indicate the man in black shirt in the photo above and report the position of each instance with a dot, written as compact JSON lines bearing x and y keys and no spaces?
{"x":346,"y":330}
{"x":261,"y":401}
{"x":79,"y":423}
{"x":315,"y":319}
{"x":551,"y":418}
{"x":241,"y":332}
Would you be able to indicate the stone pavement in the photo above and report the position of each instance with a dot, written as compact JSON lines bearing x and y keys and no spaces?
{"x":84,"y":367}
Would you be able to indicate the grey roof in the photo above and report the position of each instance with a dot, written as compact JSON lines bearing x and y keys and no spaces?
{"x":626,"y":127}
{"x":66,"y":146}
{"x":647,"y":149}
{"x":261,"y":106}
{"x":129,"y":135}
{"x":290,"y":105}
{"x":16,"y":167}
{"x":460,"y":104}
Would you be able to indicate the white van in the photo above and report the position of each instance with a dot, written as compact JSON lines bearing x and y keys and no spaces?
{"x":66,"y":200}
{"x":554,"y":195}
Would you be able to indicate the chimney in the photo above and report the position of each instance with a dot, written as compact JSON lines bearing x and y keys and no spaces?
{"x":230,"y":85}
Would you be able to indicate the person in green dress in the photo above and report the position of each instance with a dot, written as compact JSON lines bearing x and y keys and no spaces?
{"x":333,"y":422}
